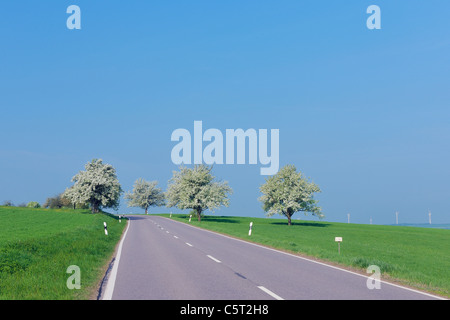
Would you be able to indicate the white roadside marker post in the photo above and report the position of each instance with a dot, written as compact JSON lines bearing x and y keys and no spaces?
{"x":120,"y":218}
{"x":106,"y":228}
{"x":250,"y":230}
{"x":338,"y":240}
{"x":190,"y":218}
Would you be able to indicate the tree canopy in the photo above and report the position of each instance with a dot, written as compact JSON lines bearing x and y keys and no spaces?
{"x":288,"y":192}
{"x":145,"y":194}
{"x":197,"y":189}
{"x":97,"y":185}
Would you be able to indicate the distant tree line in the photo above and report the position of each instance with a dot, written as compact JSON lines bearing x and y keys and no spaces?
{"x":56,"y":202}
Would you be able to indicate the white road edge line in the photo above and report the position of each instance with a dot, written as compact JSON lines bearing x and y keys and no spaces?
{"x":175,"y":237}
{"x":212,"y":258}
{"x":270,"y":293}
{"x":313,"y":261}
{"x":112,"y":278}
{"x":190,"y":245}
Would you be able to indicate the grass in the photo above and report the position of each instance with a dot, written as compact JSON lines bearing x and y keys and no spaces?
{"x":416,"y":257}
{"x":38,"y":245}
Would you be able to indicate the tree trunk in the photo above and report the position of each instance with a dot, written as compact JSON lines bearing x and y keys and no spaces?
{"x":146,"y":210}
{"x":199,"y":214}
{"x":289,"y":214}
{"x":94,"y":207}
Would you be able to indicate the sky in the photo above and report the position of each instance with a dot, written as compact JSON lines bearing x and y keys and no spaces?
{"x":363,"y":113}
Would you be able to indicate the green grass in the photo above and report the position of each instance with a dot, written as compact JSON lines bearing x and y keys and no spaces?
{"x":38,"y":245}
{"x":417,"y":257}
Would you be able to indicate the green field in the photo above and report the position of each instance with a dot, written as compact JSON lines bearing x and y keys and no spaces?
{"x":416,"y":257}
{"x":38,"y":245}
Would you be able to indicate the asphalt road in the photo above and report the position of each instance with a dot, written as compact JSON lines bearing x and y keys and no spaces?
{"x":164,"y":259}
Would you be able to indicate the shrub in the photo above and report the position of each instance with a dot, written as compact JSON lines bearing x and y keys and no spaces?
{"x":8,"y":203}
{"x":33,"y":204}
{"x":55,"y":202}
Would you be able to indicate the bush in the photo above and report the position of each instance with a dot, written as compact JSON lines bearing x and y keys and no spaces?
{"x":55,"y":202}
{"x":33,"y":204}
{"x":8,"y":203}
{"x":58,"y":202}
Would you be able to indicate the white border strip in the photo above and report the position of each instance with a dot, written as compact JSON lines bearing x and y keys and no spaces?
{"x":112,"y":278}
{"x":310,"y":260}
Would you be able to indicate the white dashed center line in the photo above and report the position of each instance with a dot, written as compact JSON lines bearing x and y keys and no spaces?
{"x":270,"y":293}
{"x":211,"y":257}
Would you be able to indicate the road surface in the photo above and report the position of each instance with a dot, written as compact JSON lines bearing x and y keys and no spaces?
{"x":160,"y":259}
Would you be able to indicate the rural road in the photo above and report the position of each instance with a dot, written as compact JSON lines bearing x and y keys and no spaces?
{"x":161,"y":259}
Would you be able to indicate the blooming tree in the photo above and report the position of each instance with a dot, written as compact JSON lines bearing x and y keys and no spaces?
{"x":288,"y":192}
{"x":196,"y":189}
{"x":145,"y":194}
{"x":97,"y":185}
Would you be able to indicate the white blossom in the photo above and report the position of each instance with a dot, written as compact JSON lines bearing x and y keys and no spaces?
{"x":288,"y":192}
{"x":196,"y":189}
{"x":145,"y":194}
{"x":97,"y":185}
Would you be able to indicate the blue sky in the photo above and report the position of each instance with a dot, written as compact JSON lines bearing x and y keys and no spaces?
{"x":363,"y":113}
